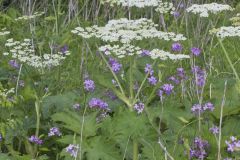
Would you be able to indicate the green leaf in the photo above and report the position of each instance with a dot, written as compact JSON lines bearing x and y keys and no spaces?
{"x":73,"y":121}
{"x":99,"y":149}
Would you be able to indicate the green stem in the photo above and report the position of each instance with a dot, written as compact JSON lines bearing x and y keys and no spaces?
{"x":135,"y":150}
{"x":142,"y":84}
{"x":37,"y":107}
{"x":229,"y":60}
{"x":38,"y":116}
{"x":18,"y":78}
{"x":114,"y":75}
{"x":131,"y":78}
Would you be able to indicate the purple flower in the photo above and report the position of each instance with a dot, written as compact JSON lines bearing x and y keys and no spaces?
{"x":200,"y":76}
{"x":139,"y":107}
{"x":54,"y":132}
{"x":35,"y":140}
{"x":14,"y":64}
{"x":76,"y":106}
{"x":177,"y":47}
{"x":115,"y":66}
{"x":89,"y":85}
{"x":230,"y":146}
{"x":64,"y":49}
{"x":160,"y":93}
{"x":145,"y":53}
{"x":148,"y":69}
{"x":167,"y":88}
{"x":208,"y":106}
{"x":233,"y":144}
{"x":174,"y":79}
{"x":152,"y":80}
{"x":181,"y":73}
{"x":111,"y":95}
{"x":176,"y":14}
{"x":72,"y":150}
{"x":98,"y":103}
{"x":196,"y":51}
{"x":198,"y":149}
{"x":214,"y":130}
{"x":196,"y":109}
{"x":182,"y":5}
{"x":1,"y":138}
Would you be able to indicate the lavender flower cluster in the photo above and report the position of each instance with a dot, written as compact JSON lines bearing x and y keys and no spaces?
{"x":233,"y":144}
{"x":200,"y":76}
{"x":72,"y":150}
{"x":54,"y":132}
{"x":214,"y":130}
{"x":115,"y":65}
{"x":35,"y":140}
{"x":89,"y":85}
{"x":98,"y":103}
{"x":199,"y":148}
{"x":149,"y":70}
{"x":198,"y":108}
{"x":177,"y":47}
{"x":139,"y":107}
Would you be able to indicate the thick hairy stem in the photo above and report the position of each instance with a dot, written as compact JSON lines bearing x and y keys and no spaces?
{"x":37,"y":107}
{"x":131,"y":78}
{"x":135,"y":150}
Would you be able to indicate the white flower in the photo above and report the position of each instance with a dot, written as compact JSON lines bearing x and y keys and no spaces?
{"x":132,"y":3}
{"x":204,"y":9}
{"x":25,"y":53}
{"x":126,"y":31}
{"x":29,"y":17}
{"x":165,"y":7}
{"x":163,"y":55}
{"x":236,"y":20}
{"x":130,"y":50}
{"x":230,"y":31}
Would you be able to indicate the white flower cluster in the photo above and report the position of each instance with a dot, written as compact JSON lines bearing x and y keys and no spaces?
{"x":4,"y":32}
{"x":163,"y":55}
{"x":230,"y":31}
{"x":6,"y":96}
{"x":25,"y":53}
{"x":165,"y":7}
{"x":125,"y":31}
{"x":129,"y":50}
{"x":132,"y":3}
{"x":29,"y":17}
{"x":4,"y":93}
{"x":139,"y":3}
{"x":121,"y":51}
{"x":205,"y":9}
{"x":236,"y":20}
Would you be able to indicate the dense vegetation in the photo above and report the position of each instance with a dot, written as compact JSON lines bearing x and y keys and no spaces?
{"x":97,"y":80}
